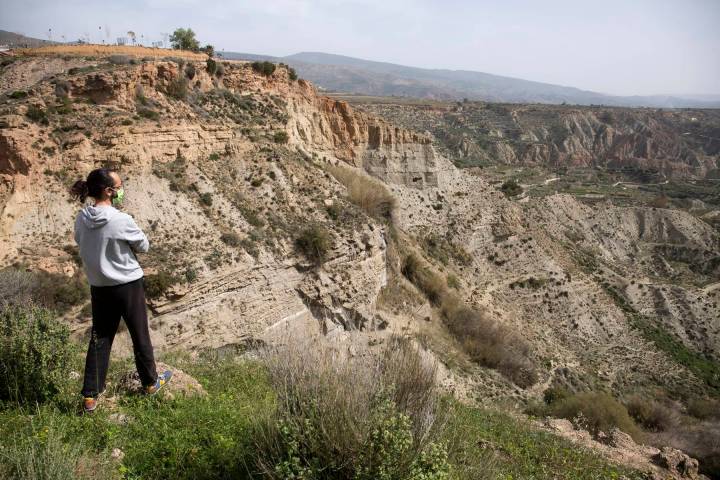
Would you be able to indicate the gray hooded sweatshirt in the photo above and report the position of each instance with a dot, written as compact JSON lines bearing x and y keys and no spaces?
{"x":108,"y":239}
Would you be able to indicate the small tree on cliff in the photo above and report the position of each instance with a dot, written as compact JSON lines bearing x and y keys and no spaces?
{"x":184,"y":39}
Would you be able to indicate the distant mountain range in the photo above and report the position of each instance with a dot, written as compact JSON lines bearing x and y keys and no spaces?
{"x":339,"y":73}
{"x":18,"y":40}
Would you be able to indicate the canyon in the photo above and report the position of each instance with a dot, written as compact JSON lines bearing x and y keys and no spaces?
{"x":224,"y":170}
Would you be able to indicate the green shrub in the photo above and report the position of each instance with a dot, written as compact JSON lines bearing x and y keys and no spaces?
{"x":34,"y":354}
{"x":64,"y":107}
{"x":175,"y":172}
{"x":251,"y":216}
{"x":148,"y":113}
{"x":211,"y":66}
{"x":511,"y":188}
{"x":156,"y":284}
{"x":36,"y":113}
{"x":281,"y":137}
{"x":367,"y":193}
{"x":178,"y":88}
{"x":256,"y":182}
{"x":315,"y":243}
{"x":190,"y":274}
{"x":265,"y":68}
{"x":596,"y":412}
{"x":442,"y":249}
{"x":190,"y":71}
{"x":184,"y":39}
{"x":17,"y":94}
{"x":334,"y":211}
{"x":62,"y":88}
{"x":50,"y":290}
{"x":214,"y":259}
{"x":429,"y":283}
{"x":126,"y":121}
{"x":554,"y":394}
{"x":292,"y":74}
{"x":206,"y":199}
{"x":230,"y":238}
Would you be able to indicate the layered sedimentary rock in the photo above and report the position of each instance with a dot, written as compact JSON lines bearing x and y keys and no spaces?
{"x":671,"y":144}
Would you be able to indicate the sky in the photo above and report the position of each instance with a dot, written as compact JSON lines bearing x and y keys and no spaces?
{"x":619,"y":47}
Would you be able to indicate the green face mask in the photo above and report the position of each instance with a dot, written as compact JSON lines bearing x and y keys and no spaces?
{"x":117,"y":199}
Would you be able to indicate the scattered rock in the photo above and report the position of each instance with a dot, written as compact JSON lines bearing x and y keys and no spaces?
{"x":117,"y":454}
{"x":618,"y":439}
{"x":11,"y":121}
{"x":119,"y":418}
{"x":677,"y":462}
{"x":559,"y":424}
{"x":180,"y":384}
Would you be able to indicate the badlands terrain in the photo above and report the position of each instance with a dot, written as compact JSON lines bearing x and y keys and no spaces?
{"x":592,"y":276}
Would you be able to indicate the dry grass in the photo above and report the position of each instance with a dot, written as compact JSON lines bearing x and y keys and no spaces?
{"x":50,"y":457}
{"x":369,"y":194}
{"x":596,"y":412}
{"x":486,"y":341}
{"x":107,"y":50}
{"x":700,"y":440}
{"x":330,"y":406}
{"x":704,"y":408}
{"x":51,"y":290}
{"x":425,"y":279}
{"x":651,"y":414}
{"x":315,"y":242}
{"x":490,"y":343}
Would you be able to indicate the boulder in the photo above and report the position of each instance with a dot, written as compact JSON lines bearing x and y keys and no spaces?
{"x":618,"y":439}
{"x":677,"y":463}
{"x":180,"y":384}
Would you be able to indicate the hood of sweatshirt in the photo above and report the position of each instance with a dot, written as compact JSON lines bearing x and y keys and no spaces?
{"x":96,"y":217}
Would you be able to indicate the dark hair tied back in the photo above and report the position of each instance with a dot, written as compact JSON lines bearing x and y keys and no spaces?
{"x":79,"y":190}
{"x":97,"y":181}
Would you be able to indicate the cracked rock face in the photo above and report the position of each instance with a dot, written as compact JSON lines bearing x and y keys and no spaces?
{"x":223,"y":198}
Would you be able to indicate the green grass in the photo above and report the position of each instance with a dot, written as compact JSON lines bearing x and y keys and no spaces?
{"x":514,"y":449}
{"x":214,"y":436}
{"x":193,"y":438}
{"x":702,"y":367}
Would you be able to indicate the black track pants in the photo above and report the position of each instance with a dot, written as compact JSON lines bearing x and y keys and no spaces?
{"x":108,"y":305}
